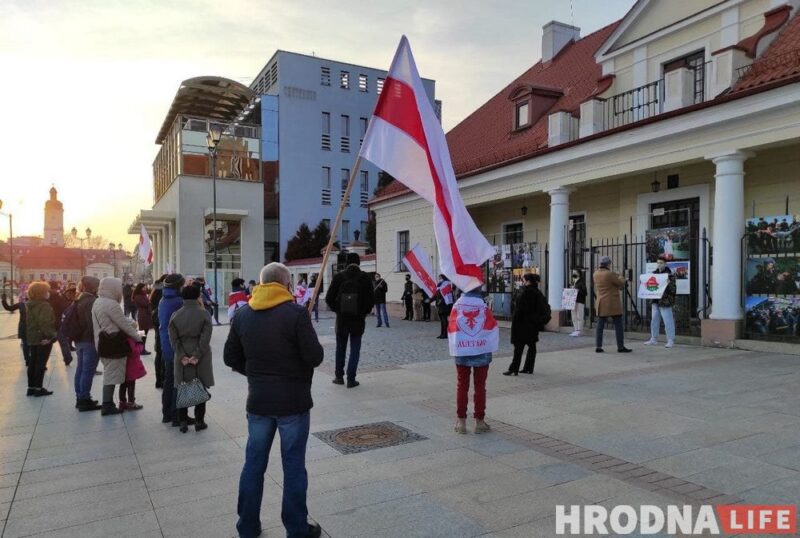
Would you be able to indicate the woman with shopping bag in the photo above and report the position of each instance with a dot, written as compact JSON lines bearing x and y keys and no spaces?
{"x":190,"y":335}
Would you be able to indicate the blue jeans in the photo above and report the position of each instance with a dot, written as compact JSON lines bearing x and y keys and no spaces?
{"x":341,"y":350}
{"x":84,"y":373}
{"x":294,"y":436}
{"x":601,"y":325}
{"x":381,"y":307}
{"x":669,"y":322}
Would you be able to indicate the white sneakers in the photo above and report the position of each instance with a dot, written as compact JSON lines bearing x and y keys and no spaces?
{"x":651,"y":342}
{"x":669,"y":343}
{"x":575,"y":333}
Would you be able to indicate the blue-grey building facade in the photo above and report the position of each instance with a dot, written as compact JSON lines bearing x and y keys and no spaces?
{"x":314,"y":114}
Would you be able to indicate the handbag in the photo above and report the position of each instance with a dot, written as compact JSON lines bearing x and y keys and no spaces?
{"x":191,"y":393}
{"x":112,"y":345}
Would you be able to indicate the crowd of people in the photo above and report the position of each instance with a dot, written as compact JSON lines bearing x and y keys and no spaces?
{"x":780,"y":234}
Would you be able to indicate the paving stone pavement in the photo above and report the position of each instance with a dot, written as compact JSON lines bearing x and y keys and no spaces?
{"x":683,"y":426}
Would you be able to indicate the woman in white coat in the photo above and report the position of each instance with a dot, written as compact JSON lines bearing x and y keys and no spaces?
{"x":108,"y":316}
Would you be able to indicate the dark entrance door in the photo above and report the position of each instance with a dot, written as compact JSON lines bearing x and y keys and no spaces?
{"x":682,"y":213}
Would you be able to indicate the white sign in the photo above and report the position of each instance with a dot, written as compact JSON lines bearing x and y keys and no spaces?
{"x":569,"y":297}
{"x":682,"y":273}
{"x":652,"y":286}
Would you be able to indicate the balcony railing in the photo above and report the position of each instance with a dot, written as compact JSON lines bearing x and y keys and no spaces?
{"x":633,"y":105}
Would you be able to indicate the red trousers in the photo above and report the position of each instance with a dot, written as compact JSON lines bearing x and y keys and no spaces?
{"x":479,"y":391}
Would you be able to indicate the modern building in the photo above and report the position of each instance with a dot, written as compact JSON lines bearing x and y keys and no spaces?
{"x":314,"y":114}
{"x":668,"y":132}
{"x":194,"y":190}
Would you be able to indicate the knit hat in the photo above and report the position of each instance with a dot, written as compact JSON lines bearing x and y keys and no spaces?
{"x":605,"y":261}
{"x":174,"y":281}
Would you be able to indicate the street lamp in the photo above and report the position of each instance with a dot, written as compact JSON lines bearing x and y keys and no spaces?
{"x":11,"y":247}
{"x":111,"y":248}
{"x":74,"y":233}
{"x":212,"y":139}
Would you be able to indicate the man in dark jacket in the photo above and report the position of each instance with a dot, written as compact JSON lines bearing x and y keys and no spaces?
{"x":85,"y":350}
{"x":170,"y":303}
{"x":352,"y":297}
{"x":526,"y":322}
{"x":408,"y":298}
{"x":273,"y":343}
{"x":60,"y":301}
{"x":381,"y":288}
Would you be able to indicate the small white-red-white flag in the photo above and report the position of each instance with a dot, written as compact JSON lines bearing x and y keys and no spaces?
{"x":145,"y":247}
{"x":405,"y":139}
{"x":419,"y":266}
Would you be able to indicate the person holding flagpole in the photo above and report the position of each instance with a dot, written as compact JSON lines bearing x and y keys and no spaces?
{"x":444,"y":303}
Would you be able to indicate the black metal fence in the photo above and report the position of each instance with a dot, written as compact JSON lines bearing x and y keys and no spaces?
{"x":633,"y":105}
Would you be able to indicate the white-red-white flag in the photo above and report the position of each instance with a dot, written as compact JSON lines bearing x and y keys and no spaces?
{"x":405,"y":139}
{"x":145,"y":247}
{"x":419,"y":266}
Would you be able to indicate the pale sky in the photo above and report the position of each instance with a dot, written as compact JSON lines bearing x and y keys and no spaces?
{"x":85,"y":85}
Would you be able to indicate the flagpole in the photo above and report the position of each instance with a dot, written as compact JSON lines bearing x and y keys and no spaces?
{"x":334,"y":230}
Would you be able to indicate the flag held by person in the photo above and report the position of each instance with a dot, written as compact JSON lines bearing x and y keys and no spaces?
{"x":145,"y":247}
{"x":405,"y":138}
{"x":416,"y":261}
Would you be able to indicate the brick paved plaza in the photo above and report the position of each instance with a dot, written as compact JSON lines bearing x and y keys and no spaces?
{"x":657,"y":426}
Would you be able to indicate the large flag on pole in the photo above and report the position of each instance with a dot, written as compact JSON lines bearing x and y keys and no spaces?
{"x":405,"y":139}
{"x":145,"y":247}
{"x":419,"y":266}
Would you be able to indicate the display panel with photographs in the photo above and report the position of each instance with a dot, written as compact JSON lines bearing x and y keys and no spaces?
{"x":772,"y":276}
{"x":505,"y":270}
{"x":773,"y":317}
{"x":773,"y":234}
{"x":670,"y":243}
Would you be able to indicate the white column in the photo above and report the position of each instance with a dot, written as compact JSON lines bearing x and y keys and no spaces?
{"x":726,"y":273}
{"x":591,"y":117}
{"x":559,"y":218}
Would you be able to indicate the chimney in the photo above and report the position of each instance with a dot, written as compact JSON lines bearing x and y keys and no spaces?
{"x":555,"y":36}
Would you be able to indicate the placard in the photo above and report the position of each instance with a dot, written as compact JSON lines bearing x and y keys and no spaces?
{"x":569,"y":297}
{"x":682,"y":273}
{"x":652,"y":286}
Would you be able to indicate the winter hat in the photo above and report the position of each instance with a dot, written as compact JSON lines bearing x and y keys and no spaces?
{"x":353,"y":257}
{"x":605,"y":261}
{"x":174,"y":281}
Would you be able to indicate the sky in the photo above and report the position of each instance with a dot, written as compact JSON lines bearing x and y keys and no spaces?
{"x":86,"y":84}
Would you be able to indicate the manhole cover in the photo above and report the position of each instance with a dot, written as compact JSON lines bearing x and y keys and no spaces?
{"x":357,"y":439}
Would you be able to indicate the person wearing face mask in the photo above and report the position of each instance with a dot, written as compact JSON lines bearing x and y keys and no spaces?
{"x":578,"y":283}
{"x":662,"y":308}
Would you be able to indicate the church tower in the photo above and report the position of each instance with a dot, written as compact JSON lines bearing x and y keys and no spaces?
{"x":53,"y":221}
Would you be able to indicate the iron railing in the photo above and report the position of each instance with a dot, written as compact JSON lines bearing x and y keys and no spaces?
{"x":633,"y":105}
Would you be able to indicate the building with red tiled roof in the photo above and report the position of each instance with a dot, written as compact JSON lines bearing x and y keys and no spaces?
{"x":670,"y":127}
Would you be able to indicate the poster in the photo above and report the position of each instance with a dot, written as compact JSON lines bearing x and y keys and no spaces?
{"x":682,"y":273}
{"x":671,"y":243}
{"x":772,"y":276}
{"x":569,"y":297}
{"x":772,"y":316}
{"x":773,"y":234}
{"x":507,"y":261}
{"x":652,"y":286}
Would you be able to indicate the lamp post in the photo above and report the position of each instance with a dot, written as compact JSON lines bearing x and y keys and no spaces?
{"x":11,"y":247}
{"x":82,"y":239}
{"x":212,"y":139}
{"x":111,"y":248}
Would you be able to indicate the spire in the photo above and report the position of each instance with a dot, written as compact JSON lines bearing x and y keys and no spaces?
{"x":53,"y":193}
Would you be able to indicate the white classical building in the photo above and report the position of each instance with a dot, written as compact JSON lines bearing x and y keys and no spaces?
{"x":668,"y":128}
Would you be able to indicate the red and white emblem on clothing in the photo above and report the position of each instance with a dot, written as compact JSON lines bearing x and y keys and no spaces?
{"x":471,"y":320}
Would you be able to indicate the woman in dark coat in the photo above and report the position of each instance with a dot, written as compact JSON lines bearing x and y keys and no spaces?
{"x":22,"y":330}
{"x":40,"y":335}
{"x":144,"y":312}
{"x":190,"y":334}
{"x":526,"y":322}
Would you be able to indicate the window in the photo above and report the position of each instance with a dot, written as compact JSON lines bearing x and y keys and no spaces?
{"x":344,"y":80}
{"x":363,"y":83}
{"x":522,"y":114}
{"x":345,"y":231}
{"x":345,"y":179}
{"x":512,"y":233}
{"x":364,"y":188}
{"x":362,"y":123}
{"x":326,"y":131}
{"x":326,"y":185}
{"x":344,"y":141}
{"x":379,"y":85}
{"x":695,"y":62}
{"x":325,"y":76}
{"x":402,"y":249}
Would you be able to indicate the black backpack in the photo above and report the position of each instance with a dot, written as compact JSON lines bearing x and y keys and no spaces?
{"x":348,"y":296}
{"x":71,"y":323}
